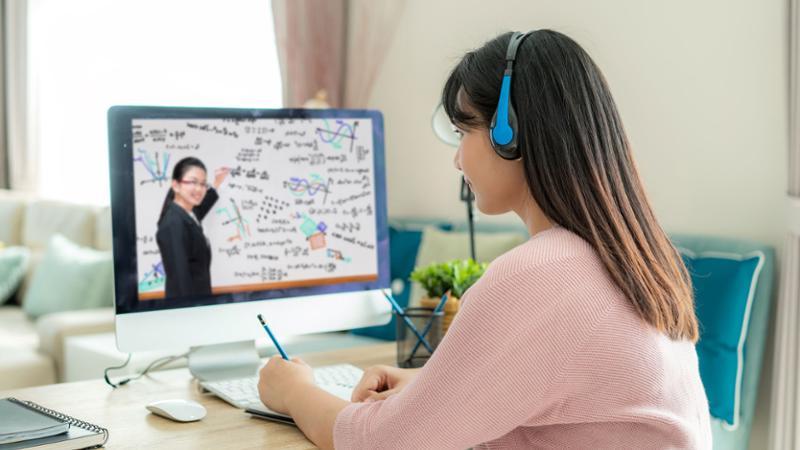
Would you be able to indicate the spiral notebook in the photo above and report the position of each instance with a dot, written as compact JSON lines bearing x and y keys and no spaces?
{"x":33,"y":426}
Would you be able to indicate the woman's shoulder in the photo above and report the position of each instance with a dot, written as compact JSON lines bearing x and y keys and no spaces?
{"x":554,"y":246}
{"x":555,"y":271}
{"x":173,"y":218}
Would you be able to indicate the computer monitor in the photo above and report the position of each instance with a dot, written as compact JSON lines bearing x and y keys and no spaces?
{"x":296,"y":229}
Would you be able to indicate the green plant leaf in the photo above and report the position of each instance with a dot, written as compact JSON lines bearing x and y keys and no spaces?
{"x":455,"y":276}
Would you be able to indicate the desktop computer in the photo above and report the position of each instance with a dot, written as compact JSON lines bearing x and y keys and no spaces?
{"x":219,"y":215}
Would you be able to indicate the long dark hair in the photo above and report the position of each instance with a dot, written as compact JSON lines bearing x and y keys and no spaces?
{"x":178,"y":172}
{"x":578,"y":165}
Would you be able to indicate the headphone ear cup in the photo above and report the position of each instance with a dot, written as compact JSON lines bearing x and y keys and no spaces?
{"x":508,"y":151}
{"x":493,"y":124}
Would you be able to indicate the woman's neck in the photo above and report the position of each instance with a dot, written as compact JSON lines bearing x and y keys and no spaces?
{"x":531,"y":214}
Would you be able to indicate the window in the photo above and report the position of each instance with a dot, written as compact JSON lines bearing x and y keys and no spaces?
{"x":86,"y":55}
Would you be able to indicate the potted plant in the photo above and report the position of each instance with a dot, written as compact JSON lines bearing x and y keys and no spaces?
{"x":452,"y":278}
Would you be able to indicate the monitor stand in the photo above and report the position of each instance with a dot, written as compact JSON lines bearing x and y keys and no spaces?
{"x":224,"y":361}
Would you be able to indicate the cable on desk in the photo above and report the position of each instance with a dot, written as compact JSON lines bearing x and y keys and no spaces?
{"x":152,"y":366}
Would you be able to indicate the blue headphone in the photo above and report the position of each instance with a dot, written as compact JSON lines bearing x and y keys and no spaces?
{"x":503,"y":130}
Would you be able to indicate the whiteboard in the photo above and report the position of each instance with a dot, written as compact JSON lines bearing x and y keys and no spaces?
{"x":297,"y":208}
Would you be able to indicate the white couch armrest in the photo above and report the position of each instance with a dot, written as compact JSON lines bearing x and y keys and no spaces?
{"x":53,"y":329}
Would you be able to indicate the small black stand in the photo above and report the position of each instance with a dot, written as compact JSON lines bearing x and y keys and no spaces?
{"x":468,"y":197}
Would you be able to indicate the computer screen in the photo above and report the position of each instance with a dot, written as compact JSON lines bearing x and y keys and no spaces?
{"x":217,"y":206}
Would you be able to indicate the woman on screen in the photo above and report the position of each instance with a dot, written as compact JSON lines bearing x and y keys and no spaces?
{"x":581,"y":337}
{"x":185,"y":250}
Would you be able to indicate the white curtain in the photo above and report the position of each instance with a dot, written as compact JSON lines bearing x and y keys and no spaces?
{"x":22,"y":160}
{"x":4,"y":183}
{"x":785,"y":423}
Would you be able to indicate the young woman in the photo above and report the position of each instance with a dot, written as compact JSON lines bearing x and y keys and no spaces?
{"x":185,"y":251}
{"x":583,"y":337}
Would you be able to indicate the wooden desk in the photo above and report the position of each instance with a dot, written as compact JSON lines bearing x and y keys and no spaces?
{"x":130,"y":425}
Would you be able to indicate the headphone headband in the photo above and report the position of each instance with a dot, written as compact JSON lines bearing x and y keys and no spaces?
{"x":503,"y":129}
{"x":513,"y":45}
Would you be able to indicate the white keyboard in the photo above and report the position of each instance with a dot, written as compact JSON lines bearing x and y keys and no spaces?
{"x":339,"y":380}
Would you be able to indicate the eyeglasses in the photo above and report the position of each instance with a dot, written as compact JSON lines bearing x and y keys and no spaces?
{"x":196,"y":184}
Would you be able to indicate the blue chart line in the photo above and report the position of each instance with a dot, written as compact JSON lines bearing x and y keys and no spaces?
{"x":301,"y":186}
{"x":242,"y":226}
{"x":154,"y":279}
{"x":157,"y":169}
{"x":345,"y":131}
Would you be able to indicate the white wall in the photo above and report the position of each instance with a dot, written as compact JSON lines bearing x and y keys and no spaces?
{"x":702,"y":88}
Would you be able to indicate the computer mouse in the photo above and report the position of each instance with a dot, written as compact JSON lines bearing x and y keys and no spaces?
{"x":178,"y":410}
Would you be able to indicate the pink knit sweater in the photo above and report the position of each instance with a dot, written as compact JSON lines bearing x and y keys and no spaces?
{"x":546,"y":352}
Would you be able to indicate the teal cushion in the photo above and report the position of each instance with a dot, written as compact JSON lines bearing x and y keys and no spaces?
{"x":724,"y":287}
{"x":13,"y":265}
{"x":403,"y":247}
{"x":69,"y":277}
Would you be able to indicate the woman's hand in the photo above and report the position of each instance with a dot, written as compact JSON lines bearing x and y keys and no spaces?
{"x":379,"y":382}
{"x":219,"y":176}
{"x":279,"y":379}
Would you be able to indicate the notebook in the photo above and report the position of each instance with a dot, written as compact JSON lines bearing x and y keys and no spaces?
{"x":25,"y":424}
{"x":19,"y":423}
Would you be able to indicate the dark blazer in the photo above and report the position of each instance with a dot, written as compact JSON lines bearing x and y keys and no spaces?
{"x":185,"y":251}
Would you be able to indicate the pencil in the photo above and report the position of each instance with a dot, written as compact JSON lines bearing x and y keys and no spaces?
{"x":408,"y":322}
{"x":430,"y":323}
{"x":271,"y":336}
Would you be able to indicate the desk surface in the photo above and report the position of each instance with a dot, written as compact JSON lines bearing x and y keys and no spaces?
{"x":130,"y":425}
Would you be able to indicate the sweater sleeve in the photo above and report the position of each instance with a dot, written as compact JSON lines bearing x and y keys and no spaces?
{"x":496,"y":369}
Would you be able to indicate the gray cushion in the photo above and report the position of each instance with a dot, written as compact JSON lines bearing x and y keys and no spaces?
{"x":44,"y":218}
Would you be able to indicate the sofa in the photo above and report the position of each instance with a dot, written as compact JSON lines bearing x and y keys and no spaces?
{"x":31,"y":351}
